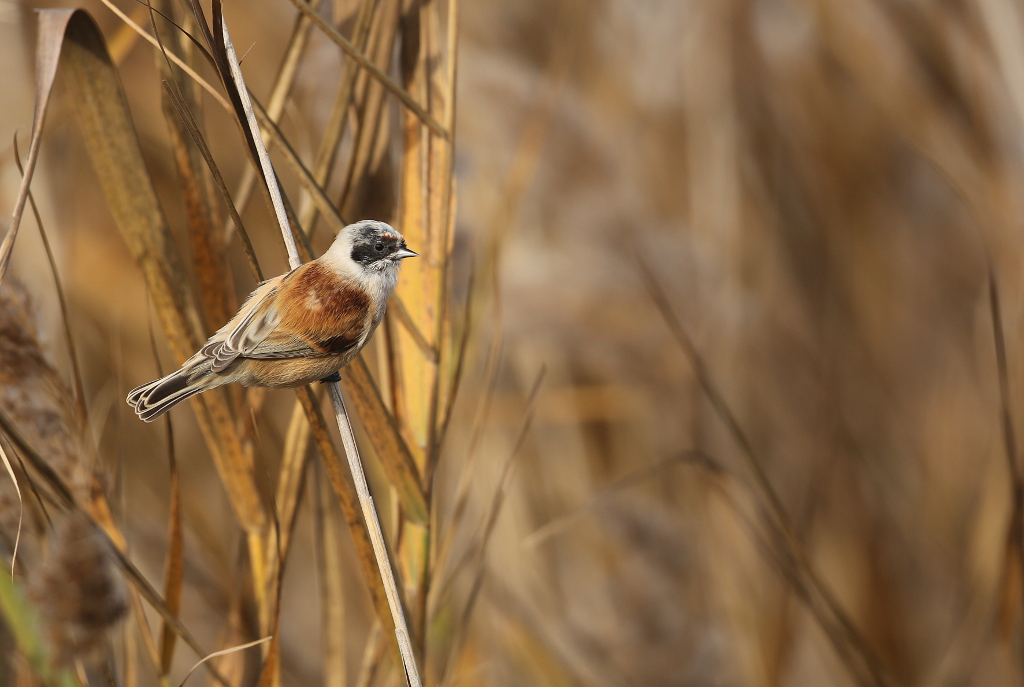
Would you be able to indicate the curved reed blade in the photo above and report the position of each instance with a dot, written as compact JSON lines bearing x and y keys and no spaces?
{"x":215,"y":288}
{"x":48,"y":51}
{"x":114,"y":149}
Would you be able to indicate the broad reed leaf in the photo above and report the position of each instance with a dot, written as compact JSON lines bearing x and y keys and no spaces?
{"x":415,"y":339}
{"x":115,"y":153}
{"x":215,"y":287}
{"x":425,"y":158}
{"x":113,"y":147}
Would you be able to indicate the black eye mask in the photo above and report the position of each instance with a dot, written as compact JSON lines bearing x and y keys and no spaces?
{"x":369,"y":249}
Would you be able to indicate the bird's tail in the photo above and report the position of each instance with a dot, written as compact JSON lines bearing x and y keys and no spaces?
{"x":156,"y":398}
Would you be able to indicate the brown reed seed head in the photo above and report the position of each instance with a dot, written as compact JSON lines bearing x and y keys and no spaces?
{"x":77,"y":593}
{"x":34,"y":398}
{"x":32,"y":394}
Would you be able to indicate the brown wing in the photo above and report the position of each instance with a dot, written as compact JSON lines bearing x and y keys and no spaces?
{"x":319,"y":314}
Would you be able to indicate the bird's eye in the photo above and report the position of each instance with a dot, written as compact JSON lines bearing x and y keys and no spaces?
{"x":379,"y":247}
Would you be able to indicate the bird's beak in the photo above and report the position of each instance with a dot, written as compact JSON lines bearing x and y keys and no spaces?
{"x":403,"y":253}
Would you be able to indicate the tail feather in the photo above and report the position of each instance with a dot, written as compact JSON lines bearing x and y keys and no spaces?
{"x":155,"y":398}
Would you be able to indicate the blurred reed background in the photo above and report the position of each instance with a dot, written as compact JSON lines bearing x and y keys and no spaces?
{"x":760,"y":260}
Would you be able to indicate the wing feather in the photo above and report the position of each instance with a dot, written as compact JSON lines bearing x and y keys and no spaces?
{"x":255,"y":321}
{"x":307,"y":313}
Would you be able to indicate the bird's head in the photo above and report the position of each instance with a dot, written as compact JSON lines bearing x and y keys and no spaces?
{"x":368,"y":248}
{"x":375,"y":246}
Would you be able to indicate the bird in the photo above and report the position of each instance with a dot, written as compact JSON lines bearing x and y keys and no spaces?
{"x":297,"y":328}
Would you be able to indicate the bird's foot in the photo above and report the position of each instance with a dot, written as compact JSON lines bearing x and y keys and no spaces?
{"x":336,"y":377}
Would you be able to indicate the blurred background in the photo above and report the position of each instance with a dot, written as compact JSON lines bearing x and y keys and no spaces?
{"x":767,"y":254}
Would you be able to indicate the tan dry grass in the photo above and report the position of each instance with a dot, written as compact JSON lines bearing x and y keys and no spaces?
{"x":823,"y":190}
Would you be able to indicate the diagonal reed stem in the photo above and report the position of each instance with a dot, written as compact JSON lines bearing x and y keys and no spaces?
{"x":380,"y":550}
{"x":348,"y":438}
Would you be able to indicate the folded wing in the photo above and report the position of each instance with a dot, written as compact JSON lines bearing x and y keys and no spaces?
{"x":309,"y":312}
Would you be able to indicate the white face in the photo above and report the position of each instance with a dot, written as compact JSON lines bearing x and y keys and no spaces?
{"x":370,"y":251}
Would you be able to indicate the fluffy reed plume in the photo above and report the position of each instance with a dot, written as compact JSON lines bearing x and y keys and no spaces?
{"x":32,"y":394}
{"x":73,"y":586}
{"x":35,"y":399}
{"x":77,"y":593}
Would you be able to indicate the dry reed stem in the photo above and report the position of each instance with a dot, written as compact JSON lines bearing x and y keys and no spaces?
{"x":382,"y":429}
{"x":330,"y":142}
{"x":844,"y":636}
{"x":279,"y":91}
{"x":349,"y":505}
{"x":414,"y":340}
{"x":1014,"y":554}
{"x":361,"y":59}
{"x":341,"y":415}
{"x":69,"y":340}
{"x":373,"y":652}
{"x":148,"y":642}
{"x":489,"y":522}
{"x":329,"y":567}
{"x":302,"y":173}
{"x":376,"y":535}
{"x":174,"y":573}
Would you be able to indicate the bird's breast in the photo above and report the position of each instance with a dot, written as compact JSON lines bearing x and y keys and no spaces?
{"x":319,"y":298}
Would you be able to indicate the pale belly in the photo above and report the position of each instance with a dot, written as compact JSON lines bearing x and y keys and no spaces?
{"x":288,"y":372}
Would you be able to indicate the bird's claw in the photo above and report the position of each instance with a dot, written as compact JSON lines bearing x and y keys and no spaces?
{"x":334,"y":378}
